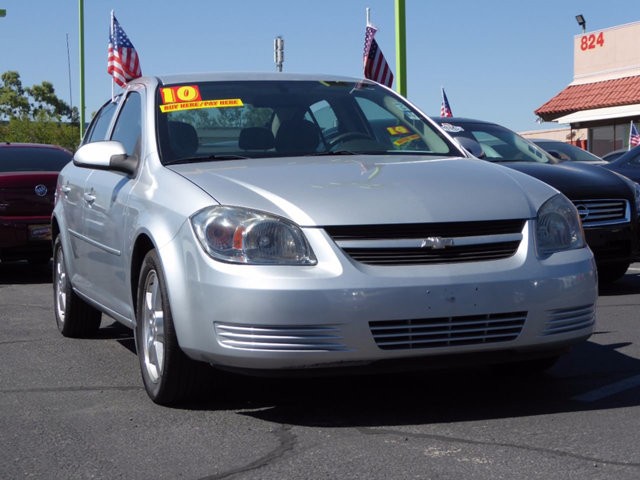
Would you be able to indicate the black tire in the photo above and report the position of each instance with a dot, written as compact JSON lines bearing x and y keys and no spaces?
{"x":169,"y":376}
{"x":39,"y":260}
{"x":611,"y":272}
{"x":74,"y":317}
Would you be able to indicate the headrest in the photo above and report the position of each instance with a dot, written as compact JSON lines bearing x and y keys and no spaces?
{"x":297,"y":137}
{"x":256,"y":138}
{"x":183,"y":139}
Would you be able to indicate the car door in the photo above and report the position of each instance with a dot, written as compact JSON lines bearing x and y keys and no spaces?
{"x":71,"y":194}
{"x":105,"y":210}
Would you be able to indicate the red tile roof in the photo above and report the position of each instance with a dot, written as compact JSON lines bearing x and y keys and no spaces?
{"x":574,"y":98}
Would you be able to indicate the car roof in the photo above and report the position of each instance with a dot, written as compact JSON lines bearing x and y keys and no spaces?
{"x":30,"y":145}
{"x":244,"y":76}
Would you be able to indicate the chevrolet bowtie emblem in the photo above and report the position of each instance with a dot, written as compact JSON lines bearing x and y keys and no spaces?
{"x":437,"y":242}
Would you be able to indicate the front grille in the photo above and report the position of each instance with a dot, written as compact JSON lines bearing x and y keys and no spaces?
{"x":308,"y":338}
{"x":570,"y":319}
{"x":447,"y":331}
{"x":419,"y":244}
{"x":594,"y":213}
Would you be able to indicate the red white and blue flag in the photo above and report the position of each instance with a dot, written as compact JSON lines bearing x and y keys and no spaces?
{"x":123,"y":63}
{"x":634,"y":136}
{"x":445,"y":108}
{"x":375,"y":65}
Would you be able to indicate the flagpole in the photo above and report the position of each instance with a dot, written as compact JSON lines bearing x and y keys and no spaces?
{"x":81,"y":48}
{"x":401,"y":49}
{"x":113,"y":91}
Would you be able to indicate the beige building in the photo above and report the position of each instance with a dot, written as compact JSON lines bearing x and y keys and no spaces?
{"x":604,"y":96}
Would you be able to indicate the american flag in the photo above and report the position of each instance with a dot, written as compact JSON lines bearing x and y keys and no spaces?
{"x":445,"y":109}
{"x":634,"y":136}
{"x":375,"y":65}
{"x":123,"y":62}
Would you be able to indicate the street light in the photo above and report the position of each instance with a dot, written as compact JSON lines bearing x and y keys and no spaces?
{"x":582,"y":22}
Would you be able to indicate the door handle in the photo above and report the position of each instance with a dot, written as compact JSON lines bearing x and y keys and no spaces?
{"x":89,"y":198}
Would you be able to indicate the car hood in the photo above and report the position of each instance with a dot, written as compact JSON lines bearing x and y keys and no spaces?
{"x":371,"y":190}
{"x":577,"y":180}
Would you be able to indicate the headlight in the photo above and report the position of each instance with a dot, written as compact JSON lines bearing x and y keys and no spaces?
{"x":636,"y":192}
{"x":246,"y":236}
{"x":558,"y":226}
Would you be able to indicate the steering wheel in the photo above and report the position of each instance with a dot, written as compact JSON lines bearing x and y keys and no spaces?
{"x":345,"y":137}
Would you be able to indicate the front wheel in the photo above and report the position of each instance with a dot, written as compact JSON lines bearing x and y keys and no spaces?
{"x":74,"y":317}
{"x":612,"y":272}
{"x":169,"y":376}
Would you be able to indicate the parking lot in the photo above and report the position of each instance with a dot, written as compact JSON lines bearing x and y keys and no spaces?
{"x":77,"y":409}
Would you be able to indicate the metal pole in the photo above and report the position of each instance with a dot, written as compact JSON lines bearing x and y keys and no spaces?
{"x":69,"y":69}
{"x":81,"y":47}
{"x":401,"y":49}
{"x":278,"y":52}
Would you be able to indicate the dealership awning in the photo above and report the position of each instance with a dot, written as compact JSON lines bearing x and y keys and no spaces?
{"x":601,"y":114}
{"x":590,"y":98}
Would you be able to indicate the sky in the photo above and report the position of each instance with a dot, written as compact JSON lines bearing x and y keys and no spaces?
{"x":497,"y":60}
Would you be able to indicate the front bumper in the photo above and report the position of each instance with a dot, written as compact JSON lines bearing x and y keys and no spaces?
{"x":340,"y":313}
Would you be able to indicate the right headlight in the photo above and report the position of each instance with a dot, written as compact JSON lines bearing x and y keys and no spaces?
{"x":241,"y":235}
{"x":558,"y":226}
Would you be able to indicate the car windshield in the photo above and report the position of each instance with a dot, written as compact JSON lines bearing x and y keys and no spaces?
{"x":568,"y":152}
{"x":32,"y":159}
{"x":499,"y":144}
{"x":254,"y":119}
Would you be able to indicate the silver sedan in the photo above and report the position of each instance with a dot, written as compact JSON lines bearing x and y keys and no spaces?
{"x":287,"y":223}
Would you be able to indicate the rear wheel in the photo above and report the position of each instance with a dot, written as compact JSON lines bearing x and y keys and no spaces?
{"x":74,"y":317}
{"x":169,"y":376}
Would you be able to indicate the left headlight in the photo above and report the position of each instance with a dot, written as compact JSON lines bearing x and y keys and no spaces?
{"x":558,"y":226}
{"x":240,"y":235}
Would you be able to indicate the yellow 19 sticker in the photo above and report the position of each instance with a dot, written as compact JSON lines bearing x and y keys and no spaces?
{"x":398,"y":130}
{"x":187,"y":97}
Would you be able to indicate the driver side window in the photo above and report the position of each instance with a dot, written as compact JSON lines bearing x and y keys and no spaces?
{"x":128,"y":127}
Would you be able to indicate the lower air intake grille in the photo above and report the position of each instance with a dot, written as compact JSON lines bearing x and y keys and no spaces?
{"x":570,"y":319}
{"x":447,"y":331}
{"x":308,"y":338}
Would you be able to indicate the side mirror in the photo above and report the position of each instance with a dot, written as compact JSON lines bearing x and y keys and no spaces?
{"x":107,"y":155}
{"x":471,"y":146}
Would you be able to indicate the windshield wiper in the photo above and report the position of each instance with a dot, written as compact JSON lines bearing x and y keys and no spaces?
{"x":334,"y":152}
{"x":205,"y":158}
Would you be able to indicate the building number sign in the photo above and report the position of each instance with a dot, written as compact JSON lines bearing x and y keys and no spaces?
{"x":591,"y":41}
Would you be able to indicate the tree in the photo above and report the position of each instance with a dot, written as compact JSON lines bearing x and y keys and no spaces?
{"x":36,"y":114}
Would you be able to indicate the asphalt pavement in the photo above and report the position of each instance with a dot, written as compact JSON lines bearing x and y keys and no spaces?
{"x":76,"y":409}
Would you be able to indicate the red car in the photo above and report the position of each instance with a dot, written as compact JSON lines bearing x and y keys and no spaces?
{"x":28,"y":176}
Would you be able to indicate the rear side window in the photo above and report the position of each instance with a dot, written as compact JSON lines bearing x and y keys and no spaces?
{"x":33,"y":159}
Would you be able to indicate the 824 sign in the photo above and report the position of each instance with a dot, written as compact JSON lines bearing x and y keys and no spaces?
{"x":591,"y":41}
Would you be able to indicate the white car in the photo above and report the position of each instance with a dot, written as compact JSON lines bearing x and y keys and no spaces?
{"x":267,"y":223}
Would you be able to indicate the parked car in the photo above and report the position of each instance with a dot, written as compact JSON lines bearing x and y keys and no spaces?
{"x":28,"y":174}
{"x":261,"y":223}
{"x":627,"y":164}
{"x":611,"y":156}
{"x":566,"y":151}
{"x":609,"y":204}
